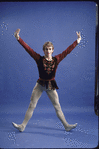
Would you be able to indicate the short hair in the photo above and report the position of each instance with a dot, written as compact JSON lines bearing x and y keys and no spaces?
{"x":48,"y":44}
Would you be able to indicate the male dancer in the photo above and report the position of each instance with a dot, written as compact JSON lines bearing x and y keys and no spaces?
{"x":47,"y":66}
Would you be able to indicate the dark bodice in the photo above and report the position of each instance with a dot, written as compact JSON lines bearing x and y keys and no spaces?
{"x":47,"y":69}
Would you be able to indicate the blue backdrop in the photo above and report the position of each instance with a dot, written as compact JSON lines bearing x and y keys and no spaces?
{"x":48,"y":21}
{"x":40,"y":22}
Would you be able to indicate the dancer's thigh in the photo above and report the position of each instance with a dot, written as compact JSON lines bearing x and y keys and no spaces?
{"x":36,"y":93}
{"x":53,"y":95}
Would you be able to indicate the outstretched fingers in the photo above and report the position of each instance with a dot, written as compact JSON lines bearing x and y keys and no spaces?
{"x":17,"y":31}
{"x":78,"y":34}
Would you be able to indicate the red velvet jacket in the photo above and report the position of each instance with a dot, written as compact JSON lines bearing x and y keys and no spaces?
{"x":47,"y":69}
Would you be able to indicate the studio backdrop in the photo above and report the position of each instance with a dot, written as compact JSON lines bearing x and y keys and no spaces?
{"x":40,"y":22}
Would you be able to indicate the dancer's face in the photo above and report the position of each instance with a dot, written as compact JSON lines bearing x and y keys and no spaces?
{"x":48,"y":51}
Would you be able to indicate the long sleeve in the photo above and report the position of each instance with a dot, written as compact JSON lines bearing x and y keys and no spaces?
{"x":61,"y":56}
{"x":32,"y":53}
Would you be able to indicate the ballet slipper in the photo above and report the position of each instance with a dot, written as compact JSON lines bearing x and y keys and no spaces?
{"x":70,"y":127}
{"x":21,"y":128}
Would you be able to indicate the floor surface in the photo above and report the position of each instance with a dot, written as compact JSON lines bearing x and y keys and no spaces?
{"x":44,"y":129}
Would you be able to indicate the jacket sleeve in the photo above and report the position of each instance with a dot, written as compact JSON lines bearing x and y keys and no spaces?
{"x":61,"y":56}
{"x":32,"y":53}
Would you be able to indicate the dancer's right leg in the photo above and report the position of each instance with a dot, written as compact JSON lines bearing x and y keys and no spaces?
{"x":37,"y":91}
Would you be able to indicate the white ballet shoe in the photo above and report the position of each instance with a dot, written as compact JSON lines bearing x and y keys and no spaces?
{"x":69,"y":127}
{"x":21,"y":128}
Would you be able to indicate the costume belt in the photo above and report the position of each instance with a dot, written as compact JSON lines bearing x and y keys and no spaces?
{"x":47,"y":80}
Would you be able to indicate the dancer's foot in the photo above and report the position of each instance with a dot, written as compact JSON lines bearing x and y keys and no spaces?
{"x":21,"y":128}
{"x":69,"y":127}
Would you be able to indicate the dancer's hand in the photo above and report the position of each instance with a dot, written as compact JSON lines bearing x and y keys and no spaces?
{"x":16,"y":34}
{"x":79,"y":37}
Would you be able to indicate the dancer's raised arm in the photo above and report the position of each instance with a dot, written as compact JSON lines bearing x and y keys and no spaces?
{"x":32,"y":53}
{"x":62,"y":55}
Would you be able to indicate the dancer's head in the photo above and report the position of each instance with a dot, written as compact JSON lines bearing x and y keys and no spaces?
{"x":48,"y":48}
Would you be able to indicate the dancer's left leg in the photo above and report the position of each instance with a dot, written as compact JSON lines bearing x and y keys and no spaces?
{"x":53,"y":95}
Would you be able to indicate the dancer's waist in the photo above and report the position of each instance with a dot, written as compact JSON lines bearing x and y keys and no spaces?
{"x":47,"y":79}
